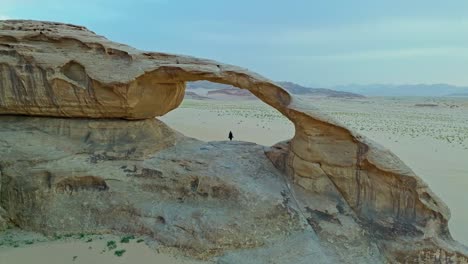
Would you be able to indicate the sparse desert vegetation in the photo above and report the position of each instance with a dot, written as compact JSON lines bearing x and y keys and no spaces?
{"x":402,"y":117}
{"x":394,"y":116}
{"x":18,"y":246}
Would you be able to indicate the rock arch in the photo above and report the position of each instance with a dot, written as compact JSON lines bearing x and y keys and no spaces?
{"x":376,"y":184}
{"x":132,"y":84}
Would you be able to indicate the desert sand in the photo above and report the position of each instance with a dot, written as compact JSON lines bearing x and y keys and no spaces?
{"x":20,"y":247}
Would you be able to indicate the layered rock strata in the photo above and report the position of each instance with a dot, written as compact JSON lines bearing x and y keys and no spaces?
{"x":60,"y":70}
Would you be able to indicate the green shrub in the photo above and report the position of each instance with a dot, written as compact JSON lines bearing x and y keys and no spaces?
{"x":111,"y":245}
{"x":119,"y":253}
{"x":126,"y":239}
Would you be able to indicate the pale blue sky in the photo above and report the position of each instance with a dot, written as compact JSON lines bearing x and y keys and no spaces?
{"x":321,"y":43}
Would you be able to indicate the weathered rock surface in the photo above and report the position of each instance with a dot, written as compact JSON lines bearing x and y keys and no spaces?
{"x":80,"y":175}
{"x":360,"y":202}
{"x":220,"y":201}
{"x":3,"y":222}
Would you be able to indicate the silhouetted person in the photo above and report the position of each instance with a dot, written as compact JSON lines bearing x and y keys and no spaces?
{"x":230,"y":136}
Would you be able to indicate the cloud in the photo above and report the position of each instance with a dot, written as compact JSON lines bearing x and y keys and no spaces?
{"x":383,"y":32}
{"x":64,"y":11}
{"x":3,"y":17}
{"x":396,"y":29}
{"x":382,"y":54}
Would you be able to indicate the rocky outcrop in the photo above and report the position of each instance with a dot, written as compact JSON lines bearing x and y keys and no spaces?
{"x":64,"y":70}
{"x":3,"y":221}
{"x":181,"y":192}
{"x":60,"y":70}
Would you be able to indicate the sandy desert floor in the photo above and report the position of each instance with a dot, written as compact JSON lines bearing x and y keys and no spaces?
{"x":19,"y":247}
{"x":432,"y":140}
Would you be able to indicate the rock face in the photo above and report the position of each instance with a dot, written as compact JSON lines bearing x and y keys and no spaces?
{"x":335,"y":195}
{"x":54,"y":69}
{"x":216,"y":198}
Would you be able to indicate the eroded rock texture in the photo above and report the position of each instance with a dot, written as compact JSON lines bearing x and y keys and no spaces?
{"x":369,"y":198}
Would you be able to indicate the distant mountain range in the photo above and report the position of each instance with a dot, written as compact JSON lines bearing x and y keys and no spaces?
{"x":193,"y":95}
{"x":302,"y":90}
{"x":291,"y":87}
{"x":207,"y":85}
{"x":404,"y":89}
{"x":354,"y":90}
{"x":459,"y":94}
{"x":231,"y":91}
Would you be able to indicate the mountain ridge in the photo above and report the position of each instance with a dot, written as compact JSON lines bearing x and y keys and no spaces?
{"x":293,"y":88}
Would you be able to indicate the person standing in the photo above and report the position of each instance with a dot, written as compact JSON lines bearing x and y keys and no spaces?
{"x":230,"y":136}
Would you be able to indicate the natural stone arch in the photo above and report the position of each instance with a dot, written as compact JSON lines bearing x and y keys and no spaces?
{"x":123,"y":82}
{"x":221,"y":108}
{"x":375,"y":183}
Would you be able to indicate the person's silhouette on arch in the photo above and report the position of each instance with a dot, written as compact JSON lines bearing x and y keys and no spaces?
{"x":230,"y":136}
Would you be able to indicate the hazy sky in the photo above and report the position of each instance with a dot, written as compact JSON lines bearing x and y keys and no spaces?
{"x":312,"y":42}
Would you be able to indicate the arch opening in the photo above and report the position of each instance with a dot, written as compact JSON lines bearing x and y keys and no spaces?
{"x":209,"y":111}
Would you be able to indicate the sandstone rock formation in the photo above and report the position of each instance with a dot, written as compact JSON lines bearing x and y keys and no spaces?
{"x":345,"y":198}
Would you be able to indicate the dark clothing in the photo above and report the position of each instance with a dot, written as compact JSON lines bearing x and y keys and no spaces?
{"x":230,"y":136}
